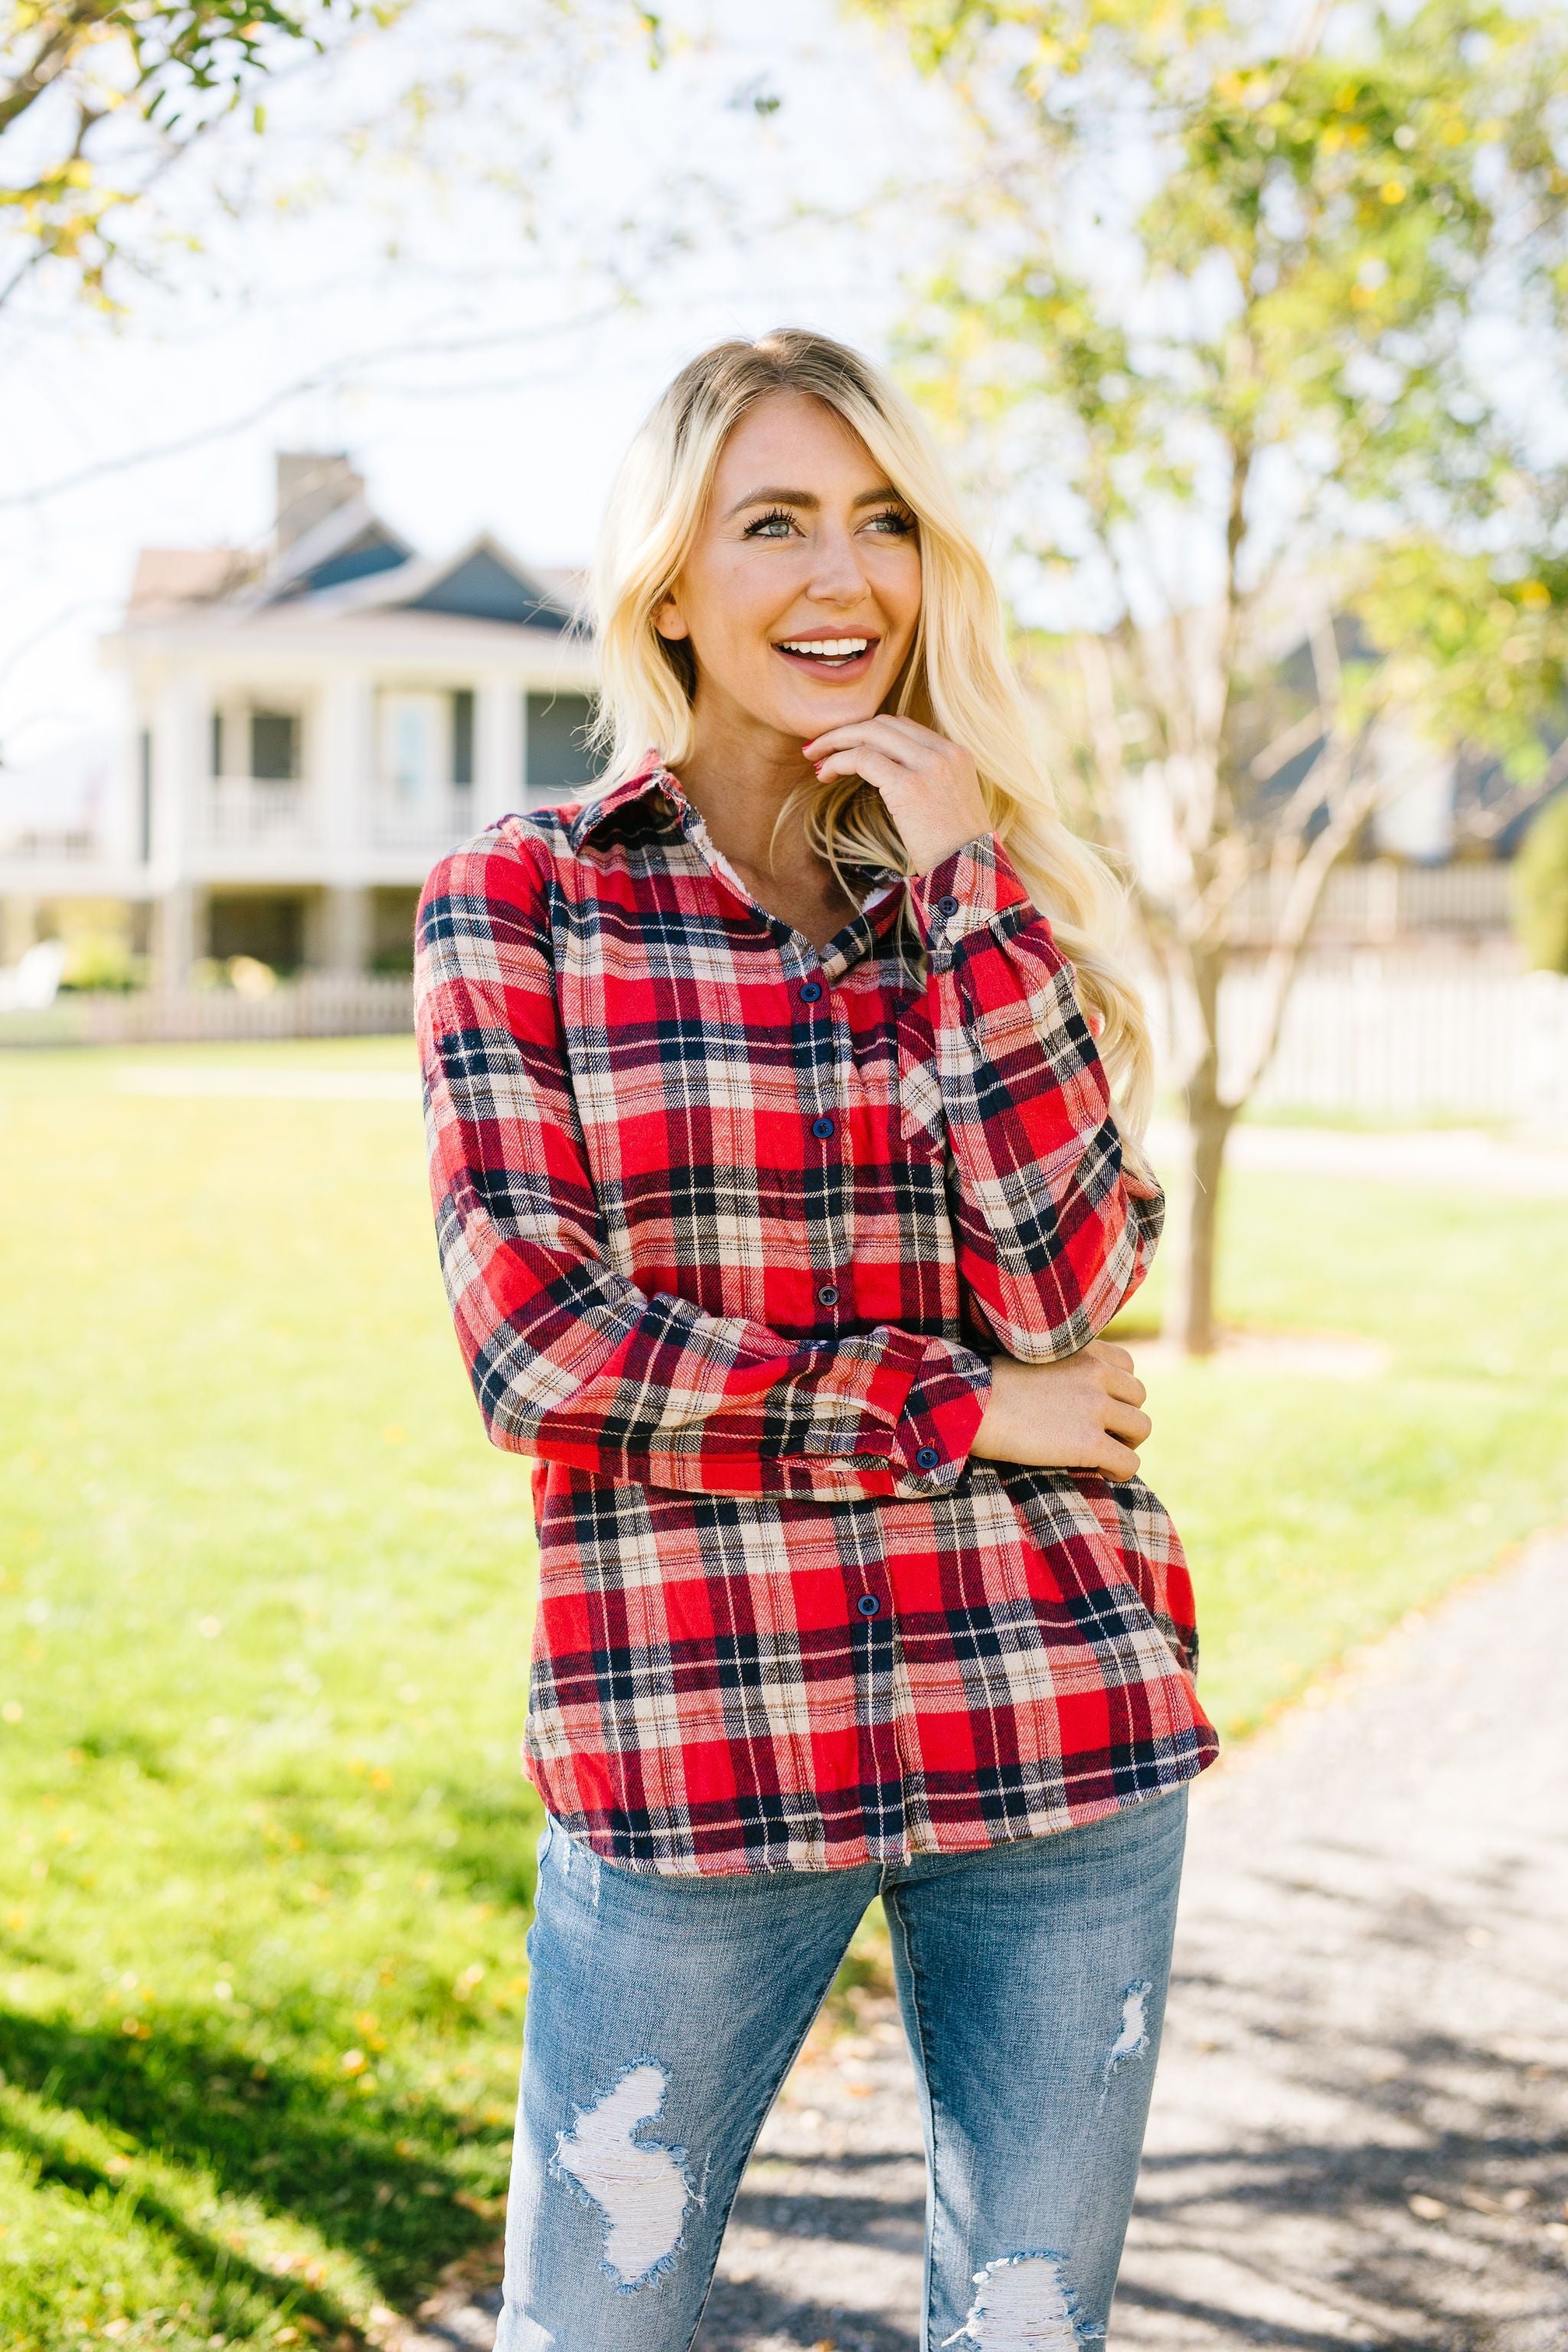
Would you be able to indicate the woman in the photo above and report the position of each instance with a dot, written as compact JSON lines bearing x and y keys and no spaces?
{"x":782,"y":1193}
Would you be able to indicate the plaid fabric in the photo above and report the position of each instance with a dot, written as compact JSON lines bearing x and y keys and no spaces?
{"x":728,"y":1230}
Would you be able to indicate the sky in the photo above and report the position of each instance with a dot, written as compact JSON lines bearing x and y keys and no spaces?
{"x":480,"y":317}
{"x":469,"y":252}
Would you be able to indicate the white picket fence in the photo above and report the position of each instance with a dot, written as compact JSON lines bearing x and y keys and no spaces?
{"x":1375,"y":1033}
{"x":1384,"y":902}
{"x":1384,"y":1034}
{"x":323,"y":1004}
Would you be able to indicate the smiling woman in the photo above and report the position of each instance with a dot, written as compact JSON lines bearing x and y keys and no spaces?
{"x":805,"y":604}
{"x":828,"y":579}
{"x":710,"y":490}
{"x":782,"y":1107}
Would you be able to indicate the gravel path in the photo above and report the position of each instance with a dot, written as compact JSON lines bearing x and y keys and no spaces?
{"x":1360,"y":2133}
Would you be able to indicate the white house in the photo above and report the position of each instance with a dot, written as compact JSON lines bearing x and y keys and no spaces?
{"x":311,"y":727}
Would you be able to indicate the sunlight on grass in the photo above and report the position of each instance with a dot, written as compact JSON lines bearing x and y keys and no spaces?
{"x":1317,"y":1510}
{"x":268,"y":1851}
{"x":267,"y":1855}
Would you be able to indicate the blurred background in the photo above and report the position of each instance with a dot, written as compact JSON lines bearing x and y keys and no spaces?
{"x":323,"y":328}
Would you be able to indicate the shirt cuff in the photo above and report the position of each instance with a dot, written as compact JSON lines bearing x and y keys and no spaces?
{"x":967,"y":891}
{"x":895,"y":1414}
{"x":944,"y":1408}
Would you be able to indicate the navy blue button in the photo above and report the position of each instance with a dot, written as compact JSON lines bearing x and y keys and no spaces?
{"x":822,"y":1127}
{"x":928,"y":1457}
{"x":828,"y":1295}
{"x":811,"y":991}
{"x":948,"y":906}
{"x":867,"y":1604}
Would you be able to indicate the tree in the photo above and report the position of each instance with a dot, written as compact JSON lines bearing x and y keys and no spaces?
{"x":97,"y":98}
{"x":1249,"y":324}
{"x":1543,"y":889}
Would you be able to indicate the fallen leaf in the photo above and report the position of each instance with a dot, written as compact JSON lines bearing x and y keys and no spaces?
{"x":489,"y":2209}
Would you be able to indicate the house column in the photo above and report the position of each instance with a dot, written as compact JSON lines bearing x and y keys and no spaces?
{"x":341,"y":780}
{"x":497,"y":749}
{"x":174,"y":916}
{"x":342,"y":784}
{"x":180,"y":718}
{"x":18,"y":927}
{"x":345,"y":942}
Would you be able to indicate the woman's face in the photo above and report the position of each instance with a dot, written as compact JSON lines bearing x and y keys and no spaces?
{"x":801,"y":590}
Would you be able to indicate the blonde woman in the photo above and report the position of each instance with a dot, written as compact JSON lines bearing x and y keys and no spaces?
{"x":782,"y":1102}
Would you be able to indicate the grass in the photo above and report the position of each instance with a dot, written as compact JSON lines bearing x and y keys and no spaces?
{"x":265,"y":1852}
{"x":1317,"y":1510}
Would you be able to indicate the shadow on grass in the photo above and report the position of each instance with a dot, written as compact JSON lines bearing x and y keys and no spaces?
{"x":280,"y":2136}
{"x":488,"y":1833}
{"x":154,"y":2126}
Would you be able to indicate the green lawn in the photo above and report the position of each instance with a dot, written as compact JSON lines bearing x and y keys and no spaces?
{"x":263,"y":1630}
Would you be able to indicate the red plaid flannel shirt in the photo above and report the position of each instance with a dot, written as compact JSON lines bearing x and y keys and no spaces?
{"x":729,"y":1227}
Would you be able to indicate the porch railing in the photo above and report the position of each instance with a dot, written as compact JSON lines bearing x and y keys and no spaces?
{"x":437,"y":820}
{"x":237,"y":809}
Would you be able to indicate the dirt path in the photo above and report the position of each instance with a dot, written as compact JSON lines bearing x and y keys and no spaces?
{"x":1469,"y":1159}
{"x":1360,"y":2133}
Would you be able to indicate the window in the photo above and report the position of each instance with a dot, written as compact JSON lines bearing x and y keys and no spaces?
{"x":144,"y":783}
{"x":416,"y":751}
{"x":463,"y":736}
{"x":557,"y":760}
{"x":274,"y":746}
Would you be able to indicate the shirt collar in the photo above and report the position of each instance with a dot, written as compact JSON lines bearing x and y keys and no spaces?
{"x":657,"y":791}
{"x":653,"y":783}
{"x":661,"y":790}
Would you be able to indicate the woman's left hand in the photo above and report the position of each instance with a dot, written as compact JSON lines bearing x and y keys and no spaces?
{"x":930,"y":786}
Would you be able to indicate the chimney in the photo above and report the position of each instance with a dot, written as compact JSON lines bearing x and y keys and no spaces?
{"x":311,"y":485}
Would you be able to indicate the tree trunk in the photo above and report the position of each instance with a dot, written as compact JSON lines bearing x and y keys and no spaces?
{"x":1190,"y":1318}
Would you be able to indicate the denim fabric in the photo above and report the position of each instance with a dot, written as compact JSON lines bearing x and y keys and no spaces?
{"x":664,"y":2013}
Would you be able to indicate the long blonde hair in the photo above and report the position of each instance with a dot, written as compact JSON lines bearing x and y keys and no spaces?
{"x":958,"y":680}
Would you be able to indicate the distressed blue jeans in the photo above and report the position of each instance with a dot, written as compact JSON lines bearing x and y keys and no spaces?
{"x":664,"y":2013}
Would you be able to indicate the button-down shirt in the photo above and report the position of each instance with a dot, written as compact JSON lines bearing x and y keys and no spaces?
{"x":731,"y":1227}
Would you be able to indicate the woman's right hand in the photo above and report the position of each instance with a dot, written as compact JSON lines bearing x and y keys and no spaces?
{"x":1082,"y":1412}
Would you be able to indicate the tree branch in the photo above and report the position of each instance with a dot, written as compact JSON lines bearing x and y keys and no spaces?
{"x":318,"y":380}
{"x":53,"y":57}
{"x":1300,"y":907}
{"x":1284,"y":748}
{"x":1326,"y":669}
{"x":1485,"y":824}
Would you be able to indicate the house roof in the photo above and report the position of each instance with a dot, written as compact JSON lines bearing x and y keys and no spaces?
{"x":482,"y":582}
{"x":350,"y":543}
{"x":168,"y":580}
{"x":350,"y":565}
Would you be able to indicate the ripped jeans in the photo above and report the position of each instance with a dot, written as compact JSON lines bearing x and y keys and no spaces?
{"x":664,"y":2014}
